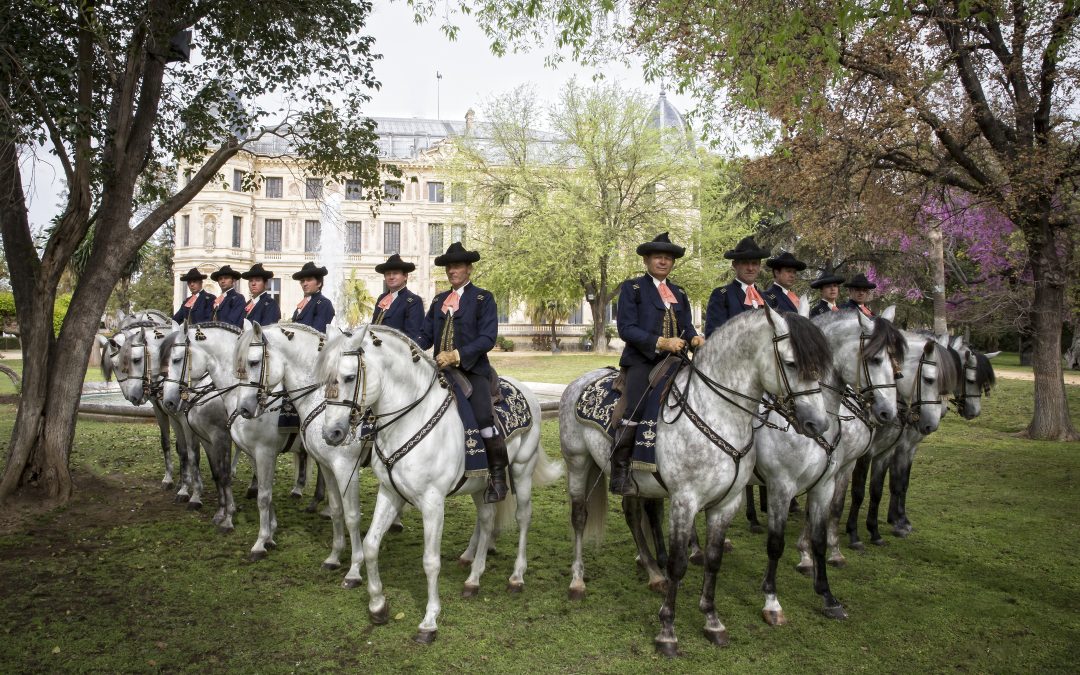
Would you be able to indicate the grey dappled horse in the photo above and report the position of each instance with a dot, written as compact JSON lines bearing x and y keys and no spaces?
{"x":209,"y":349}
{"x":704,"y":453}
{"x":860,"y":394}
{"x":419,"y":455}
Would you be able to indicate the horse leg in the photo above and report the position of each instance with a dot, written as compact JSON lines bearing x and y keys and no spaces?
{"x":300,"y":463}
{"x":654,"y":510}
{"x":432,"y":511}
{"x":166,"y":447}
{"x":263,"y":477}
{"x":387,"y":505}
{"x":780,"y":497}
{"x":878,"y":469}
{"x":226,"y":464}
{"x":342,"y":480}
{"x":751,"y":514}
{"x":181,"y":439}
{"x":899,"y":477}
{"x":195,"y":458}
{"x":636,"y":514}
{"x":832,"y":526}
{"x":337,"y":520}
{"x":485,"y":520}
{"x":818,"y":503}
{"x":583,"y":475}
{"x":717,"y":520}
{"x":681,"y":522}
{"x":523,"y":478}
{"x":858,"y":491}
{"x":320,"y":491}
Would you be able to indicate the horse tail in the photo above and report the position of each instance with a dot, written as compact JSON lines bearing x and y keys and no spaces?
{"x":596,"y":506}
{"x":546,"y":471}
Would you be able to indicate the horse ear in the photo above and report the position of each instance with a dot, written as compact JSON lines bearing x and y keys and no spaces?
{"x":804,"y":306}
{"x":942,"y":340}
{"x":247,"y":325}
{"x":929,"y":347}
{"x":101,"y":340}
{"x":991,"y":355}
{"x":889,"y":314}
{"x":175,"y":326}
{"x":956,"y":342}
{"x":866,"y":324}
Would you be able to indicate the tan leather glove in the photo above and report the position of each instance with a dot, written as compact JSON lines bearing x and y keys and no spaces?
{"x":448,"y":359}
{"x":672,"y":344}
{"x":697,"y":341}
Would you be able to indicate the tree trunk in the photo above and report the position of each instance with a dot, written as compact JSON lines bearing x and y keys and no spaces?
{"x":937,"y":269}
{"x":1050,"y":420}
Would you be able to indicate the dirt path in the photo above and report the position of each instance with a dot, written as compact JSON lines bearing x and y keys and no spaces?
{"x":1070,"y":378}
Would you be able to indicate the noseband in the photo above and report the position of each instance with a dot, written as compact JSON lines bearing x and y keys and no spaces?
{"x":960,"y":401}
{"x":912,"y":412}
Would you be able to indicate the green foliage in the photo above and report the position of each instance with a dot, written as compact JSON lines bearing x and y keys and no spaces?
{"x":60,"y":309}
{"x":357,"y":304}
{"x":153,"y":287}
{"x":7,"y":306}
{"x":504,"y":343}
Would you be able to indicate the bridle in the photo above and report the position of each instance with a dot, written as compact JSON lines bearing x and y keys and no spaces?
{"x":190,"y":394}
{"x":970,"y":368}
{"x":151,"y":389}
{"x":857,"y":399}
{"x":910,"y":413}
{"x":265,"y":397}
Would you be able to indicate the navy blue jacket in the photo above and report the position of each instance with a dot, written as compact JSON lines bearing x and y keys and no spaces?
{"x":819,"y":307}
{"x":318,"y":313}
{"x":406,"y":314}
{"x":265,"y":312}
{"x":231,"y":309}
{"x":851,"y":304}
{"x":476,"y":326}
{"x":778,"y":299}
{"x":201,"y":311}
{"x":724,"y":303}
{"x":641,"y":319}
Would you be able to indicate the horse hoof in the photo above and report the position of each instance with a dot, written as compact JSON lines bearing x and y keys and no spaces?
{"x":837,"y":612}
{"x":838,"y":563}
{"x":576,"y":594}
{"x":295,"y":495}
{"x":659,"y":586}
{"x":879,"y":542}
{"x":167,"y":485}
{"x":350,"y":584}
{"x":194,"y":506}
{"x":271,"y":544}
{"x":857,"y":546}
{"x":756,"y":528}
{"x":464,"y":563}
{"x":728,"y":546}
{"x":181,"y":499}
{"x":805,"y":570}
{"x":398,"y":527}
{"x":717,"y":637}
{"x":256,"y":556}
{"x":698,"y":558}
{"x":470,"y":591}
{"x":331,"y":566}
{"x":252,"y":493}
{"x":668,"y":649}
{"x":425,"y":637}
{"x":226,"y":529}
{"x":381,"y":617}
{"x":900,"y":532}
{"x":515,"y":587}
{"x":774,"y":617}
{"x":311,"y":508}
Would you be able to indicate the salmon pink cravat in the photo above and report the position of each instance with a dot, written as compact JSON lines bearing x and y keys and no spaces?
{"x":302,"y":304}
{"x":793,"y":298}
{"x":250,"y":306}
{"x":834,"y":308}
{"x":387,"y":300}
{"x":451,"y":302}
{"x":666,"y":295}
{"x":753,"y":298}
{"x":191,"y":301}
{"x":218,"y":300}
{"x":865,"y":310}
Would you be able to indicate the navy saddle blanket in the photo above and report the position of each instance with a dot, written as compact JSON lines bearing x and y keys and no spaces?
{"x":595,"y":405}
{"x":512,"y":414}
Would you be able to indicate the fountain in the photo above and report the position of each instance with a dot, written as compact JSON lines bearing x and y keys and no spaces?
{"x":332,"y":249}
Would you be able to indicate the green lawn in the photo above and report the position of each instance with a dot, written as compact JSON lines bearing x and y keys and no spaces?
{"x":123,"y":580}
{"x":542,"y":367}
{"x":7,"y":387}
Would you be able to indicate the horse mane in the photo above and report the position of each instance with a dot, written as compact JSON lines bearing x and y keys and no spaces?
{"x":302,"y":327}
{"x":886,"y":336}
{"x":984,"y":373}
{"x":408,"y":341}
{"x":958,"y":363}
{"x":948,"y":372}
{"x":146,"y":318}
{"x":813,"y":358}
{"x":235,"y":330}
{"x":125,"y":353}
{"x":326,"y":363}
{"x":106,"y":359}
{"x":243,"y":343}
{"x":166,"y":347}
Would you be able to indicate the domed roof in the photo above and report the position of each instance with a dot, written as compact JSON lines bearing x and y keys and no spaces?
{"x":667,"y":116}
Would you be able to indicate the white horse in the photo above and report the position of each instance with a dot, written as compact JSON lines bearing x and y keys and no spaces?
{"x":977,"y":380}
{"x":420,"y":454}
{"x":284,"y":355}
{"x":209,"y":349}
{"x":704,"y":453}
{"x":860,"y":393}
{"x":109,"y":348}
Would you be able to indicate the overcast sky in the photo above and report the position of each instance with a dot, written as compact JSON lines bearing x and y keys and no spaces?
{"x":412,"y":55}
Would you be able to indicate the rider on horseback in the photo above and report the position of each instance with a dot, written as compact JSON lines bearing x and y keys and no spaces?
{"x":654,"y":319}
{"x":200,"y":304}
{"x":828,"y":284}
{"x":399,"y":307}
{"x":462,"y":325}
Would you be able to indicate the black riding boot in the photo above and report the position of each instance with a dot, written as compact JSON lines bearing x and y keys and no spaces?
{"x":497,"y":461}
{"x":620,"y":461}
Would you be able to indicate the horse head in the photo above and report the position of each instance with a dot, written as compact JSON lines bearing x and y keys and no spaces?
{"x":976,"y":380}
{"x":927,"y":372}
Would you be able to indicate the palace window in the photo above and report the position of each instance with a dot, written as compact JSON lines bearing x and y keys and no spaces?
{"x":392,"y":191}
{"x":314,"y":188}
{"x":185,"y":231}
{"x":273,"y":234}
{"x":237,"y":224}
{"x":458,"y":193}
{"x":435,"y":238}
{"x":352,"y":236}
{"x":391,"y":238}
{"x":312,"y":235}
{"x":435,"y":192}
{"x":457,"y":233}
{"x":274,"y":187}
{"x":237,"y":180}
{"x":353,"y":190}
{"x":273,"y":288}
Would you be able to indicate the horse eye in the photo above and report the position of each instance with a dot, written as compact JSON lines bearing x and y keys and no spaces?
{"x":875,"y":361}
{"x":136,"y":359}
{"x":178,"y":359}
{"x":348,"y":379}
{"x":789,"y":364}
{"x":928,"y":380}
{"x":253,"y":363}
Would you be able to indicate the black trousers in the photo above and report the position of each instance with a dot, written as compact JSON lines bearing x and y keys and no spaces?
{"x":634,"y":389}
{"x":480,"y":400}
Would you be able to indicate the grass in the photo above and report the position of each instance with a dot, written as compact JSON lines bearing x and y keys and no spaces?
{"x":542,"y":367}
{"x":123,"y":580}
{"x":93,"y":374}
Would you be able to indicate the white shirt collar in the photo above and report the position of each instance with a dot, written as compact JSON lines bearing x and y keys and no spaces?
{"x":461,"y":291}
{"x":657,"y":282}
{"x":786,"y":291}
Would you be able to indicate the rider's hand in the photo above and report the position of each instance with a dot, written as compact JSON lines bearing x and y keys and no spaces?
{"x":670,"y":344}
{"x":697,"y":341}
{"x":448,"y":359}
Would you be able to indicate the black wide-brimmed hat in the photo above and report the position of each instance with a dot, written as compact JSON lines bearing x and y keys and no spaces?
{"x":456,"y":254}
{"x":309,"y":270}
{"x":193,"y":274}
{"x":827,"y":277}
{"x":661,"y":244}
{"x":747,"y":249}
{"x":785,"y":259}
{"x":395,"y":262}
{"x":860,"y":281}
{"x":257,"y":271}
{"x":225,"y":271}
